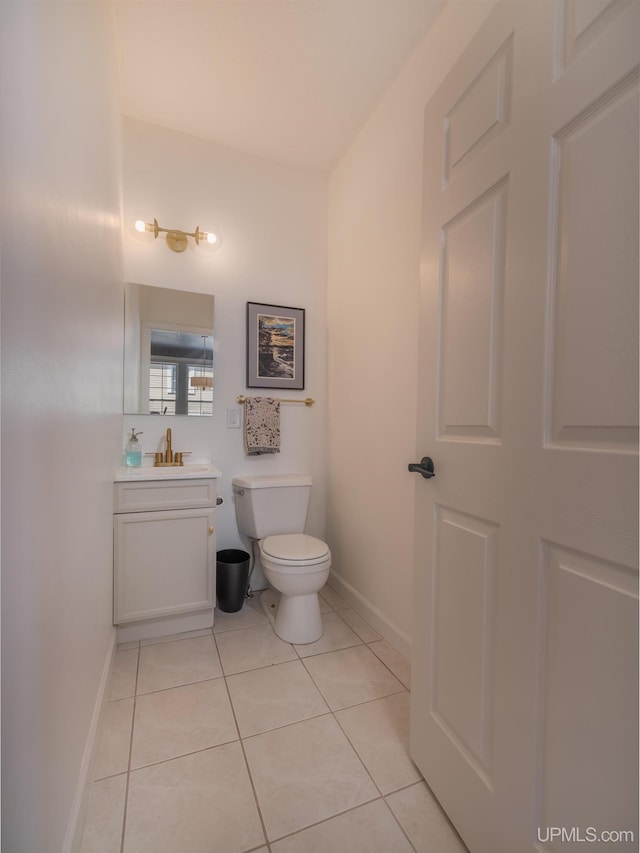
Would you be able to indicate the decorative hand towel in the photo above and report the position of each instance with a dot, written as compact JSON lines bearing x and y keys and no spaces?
{"x":261,"y":425}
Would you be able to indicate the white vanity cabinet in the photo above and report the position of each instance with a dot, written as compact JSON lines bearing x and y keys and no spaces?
{"x":164,"y":554}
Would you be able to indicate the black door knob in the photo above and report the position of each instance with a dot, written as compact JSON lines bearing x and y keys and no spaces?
{"x":424,"y":467}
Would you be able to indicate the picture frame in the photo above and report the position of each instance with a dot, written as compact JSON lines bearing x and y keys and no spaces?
{"x":275,"y":346}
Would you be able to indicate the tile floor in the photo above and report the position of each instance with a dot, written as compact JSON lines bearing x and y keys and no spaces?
{"x":232,"y":740}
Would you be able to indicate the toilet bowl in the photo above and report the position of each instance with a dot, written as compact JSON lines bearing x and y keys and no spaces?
{"x":297,"y":566}
{"x":271,"y":510}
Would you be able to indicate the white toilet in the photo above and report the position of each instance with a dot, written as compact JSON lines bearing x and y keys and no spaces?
{"x":272,"y":509}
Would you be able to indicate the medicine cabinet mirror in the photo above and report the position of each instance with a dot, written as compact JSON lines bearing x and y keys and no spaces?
{"x":168,"y":351}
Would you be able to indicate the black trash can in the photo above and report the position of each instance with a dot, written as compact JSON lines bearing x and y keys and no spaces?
{"x":232,"y":579}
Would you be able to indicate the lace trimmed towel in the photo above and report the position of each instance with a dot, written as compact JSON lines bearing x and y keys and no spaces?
{"x":261,"y":425}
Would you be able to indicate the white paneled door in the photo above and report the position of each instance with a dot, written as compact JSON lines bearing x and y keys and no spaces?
{"x":524,"y":661}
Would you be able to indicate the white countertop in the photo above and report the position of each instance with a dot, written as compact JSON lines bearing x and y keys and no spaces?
{"x":193,"y":471}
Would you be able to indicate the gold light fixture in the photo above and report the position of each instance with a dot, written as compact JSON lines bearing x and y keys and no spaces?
{"x":202,"y":381}
{"x":177,"y":240}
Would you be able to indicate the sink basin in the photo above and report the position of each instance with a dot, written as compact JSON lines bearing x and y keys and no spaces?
{"x":185,"y":472}
{"x":171,"y":471}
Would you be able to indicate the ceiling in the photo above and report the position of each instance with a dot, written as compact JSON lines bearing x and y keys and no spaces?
{"x":288,"y":80}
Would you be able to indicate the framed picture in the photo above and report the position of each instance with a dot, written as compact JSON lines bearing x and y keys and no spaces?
{"x":275,"y":346}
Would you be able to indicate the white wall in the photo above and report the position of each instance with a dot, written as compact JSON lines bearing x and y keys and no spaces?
{"x":62,"y":284}
{"x":375,"y":197}
{"x":273,"y":225}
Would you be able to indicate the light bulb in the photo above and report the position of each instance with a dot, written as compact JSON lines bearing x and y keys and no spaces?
{"x":140,"y":225}
{"x":211,"y":237}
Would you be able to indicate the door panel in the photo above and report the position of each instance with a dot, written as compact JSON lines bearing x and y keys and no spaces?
{"x":462,"y":667}
{"x":588,"y":613}
{"x":524,"y":658}
{"x":581,"y":22}
{"x":480,"y":113}
{"x":595,"y":336}
{"x":472,"y":266}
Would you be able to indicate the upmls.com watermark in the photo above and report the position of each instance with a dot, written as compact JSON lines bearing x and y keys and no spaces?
{"x":588,"y":835}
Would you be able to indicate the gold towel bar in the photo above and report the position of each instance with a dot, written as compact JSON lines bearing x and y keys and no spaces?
{"x":308,"y":402}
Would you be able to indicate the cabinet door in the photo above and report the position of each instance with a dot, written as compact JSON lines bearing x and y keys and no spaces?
{"x":164,"y":563}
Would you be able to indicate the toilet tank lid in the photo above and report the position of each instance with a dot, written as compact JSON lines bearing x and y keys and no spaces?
{"x":271,"y":481}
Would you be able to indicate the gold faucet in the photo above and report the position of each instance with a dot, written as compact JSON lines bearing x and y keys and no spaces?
{"x":169,"y":457}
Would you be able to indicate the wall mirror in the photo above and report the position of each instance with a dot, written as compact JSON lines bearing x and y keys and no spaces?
{"x":168,"y":351}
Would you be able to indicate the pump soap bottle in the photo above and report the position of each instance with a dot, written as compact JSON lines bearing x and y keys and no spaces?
{"x":133,"y":450}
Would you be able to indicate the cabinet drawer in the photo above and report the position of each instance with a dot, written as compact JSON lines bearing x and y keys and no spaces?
{"x":164,"y":494}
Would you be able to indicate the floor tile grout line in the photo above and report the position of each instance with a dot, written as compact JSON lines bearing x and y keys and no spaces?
{"x":246,"y":761}
{"x":359,"y":640}
{"x":402,"y":689}
{"x":239,"y":627}
{"x":386,"y":642}
{"x":178,"y":686}
{"x":366,"y":642}
{"x":369,"y":701}
{"x":255,"y":798}
{"x":286,"y":725}
{"x":327,"y":819}
{"x":368,"y":645}
{"x":109,"y":776}
{"x":397,"y":820}
{"x":442,"y":812}
{"x":184,"y":755}
{"x":406,"y":787}
{"x":175,"y":686}
{"x":131,"y":735}
{"x":333,"y":710}
{"x":163,"y":639}
{"x":283,"y":725}
{"x":329,"y":651}
{"x":366,"y":769}
{"x":353,"y":747}
{"x":186,"y":683}
{"x":437,"y":803}
{"x":258,"y":668}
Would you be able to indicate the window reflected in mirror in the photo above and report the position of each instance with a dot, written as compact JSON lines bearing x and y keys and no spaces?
{"x":168,"y":359}
{"x":180,"y":374}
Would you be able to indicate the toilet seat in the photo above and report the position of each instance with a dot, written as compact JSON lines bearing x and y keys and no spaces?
{"x":295,"y":549}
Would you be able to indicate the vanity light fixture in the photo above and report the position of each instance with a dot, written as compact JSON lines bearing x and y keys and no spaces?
{"x":176,"y":239}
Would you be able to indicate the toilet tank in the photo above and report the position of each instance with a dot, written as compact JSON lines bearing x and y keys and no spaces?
{"x":270,"y":504}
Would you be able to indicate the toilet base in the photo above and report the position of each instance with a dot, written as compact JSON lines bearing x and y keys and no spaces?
{"x":297,"y":618}
{"x":269,"y":599}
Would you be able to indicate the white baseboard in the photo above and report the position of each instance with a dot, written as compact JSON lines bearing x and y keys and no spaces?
{"x":397,"y":638}
{"x":73,"y":837}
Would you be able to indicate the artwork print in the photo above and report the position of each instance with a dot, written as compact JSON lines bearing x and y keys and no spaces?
{"x":275,"y":346}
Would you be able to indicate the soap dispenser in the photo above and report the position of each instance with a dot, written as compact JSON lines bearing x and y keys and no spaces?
{"x":133,"y":450}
